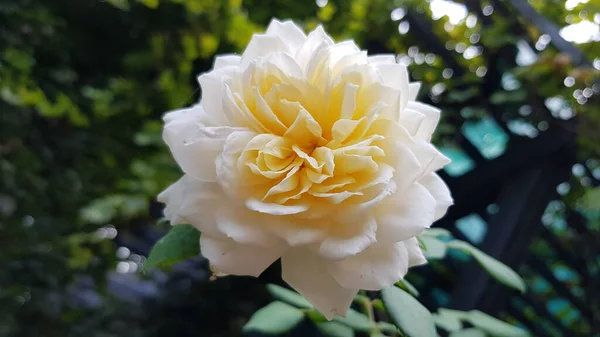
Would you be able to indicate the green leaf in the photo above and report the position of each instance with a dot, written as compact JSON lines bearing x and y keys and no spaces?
{"x":434,"y":248}
{"x":494,"y":326}
{"x":355,"y":320}
{"x":408,"y":314}
{"x":436,"y":232}
{"x":288,"y":296}
{"x":335,"y":329}
{"x":449,"y":320}
{"x":275,"y":319}
{"x":495,"y":268}
{"x":386,"y":327}
{"x":404,"y":284}
{"x":180,"y":243}
{"x":468,"y":333}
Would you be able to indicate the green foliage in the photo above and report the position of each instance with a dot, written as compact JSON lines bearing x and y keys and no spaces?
{"x":288,"y":296}
{"x":335,"y":329}
{"x":495,"y":268}
{"x":407,"y":313}
{"x":180,"y":243}
{"x":434,"y":248}
{"x":486,"y":325}
{"x":274,"y":319}
{"x":355,"y":320}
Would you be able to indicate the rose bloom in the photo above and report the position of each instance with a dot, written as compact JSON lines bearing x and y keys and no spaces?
{"x":313,"y":152}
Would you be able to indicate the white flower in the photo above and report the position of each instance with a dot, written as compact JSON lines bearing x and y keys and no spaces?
{"x":311,"y":151}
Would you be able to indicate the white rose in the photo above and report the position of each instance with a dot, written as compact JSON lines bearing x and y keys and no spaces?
{"x":312,"y":152}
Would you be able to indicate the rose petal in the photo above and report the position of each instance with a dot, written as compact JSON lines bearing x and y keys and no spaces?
{"x":227,"y":60}
{"x":377,"y":267}
{"x":382,"y":59}
{"x":348,"y":239}
{"x":432,"y":118}
{"x":306,"y":273}
{"x":261,"y":46}
{"x":440,"y":192}
{"x":404,"y":215}
{"x":413,"y":90}
{"x":288,"y":32}
{"x":246,"y":227}
{"x":428,"y":156}
{"x":415,"y":254}
{"x":228,"y":257}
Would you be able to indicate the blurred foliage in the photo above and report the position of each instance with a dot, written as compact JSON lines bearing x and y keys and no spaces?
{"x":83,"y":85}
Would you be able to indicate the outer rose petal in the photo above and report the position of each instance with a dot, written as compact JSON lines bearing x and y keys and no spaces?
{"x":405,"y":215}
{"x":382,"y":59}
{"x":438,"y":189}
{"x":212,"y":84}
{"x":229,"y":257}
{"x":227,"y":60}
{"x":195,"y":146}
{"x":173,"y":196}
{"x":415,"y":254}
{"x":348,"y":239}
{"x":306,"y":273}
{"x":428,"y":156}
{"x":377,"y":267}
{"x":261,"y":46}
{"x":432,"y":118}
{"x":413,"y":90}
{"x":289,"y":33}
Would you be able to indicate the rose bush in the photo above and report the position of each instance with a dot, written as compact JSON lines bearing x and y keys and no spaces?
{"x":313,"y":152}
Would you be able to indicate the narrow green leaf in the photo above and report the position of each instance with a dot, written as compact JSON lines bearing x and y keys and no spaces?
{"x":495,"y":268}
{"x":288,"y":296}
{"x":436,"y":232}
{"x":335,"y":329}
{"x":275,"y":319}
{"x":408,"y":314}
{"x":404,"y":284}
{"x":434,"y":247}
{"x":449,"y":320}
{"x":494,"y":326}
{"x":468,"y":333}
{"x":180,"y":243}
{"x":355,"y":320}
{"x":386,"y":327}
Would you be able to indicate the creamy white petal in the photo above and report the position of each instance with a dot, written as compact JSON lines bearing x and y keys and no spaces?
{"x":200,"y":204}
{"x":405,"y":215}
{"x":261,"y":46}
{"x":377,"y":267}
{"x":440,"y":192}
{"x":316,"y":40}
{"x":415,"y":254}
{"x":228,"y":257}
{"x":288,"y":32}
{"x":300,"y":232}
{"x":348,"y":239}
{"x":195,"y":146}
{"x":432,"y":118}
{"x":406,"y":165}
{"x":306,"y":273}
{"x":413,"y":90}
{"x":227,"y":60}
{"x":212,"y":89}
{"x":411,"y":120}
{"x":382,"y":59}
{"x":274,"y":209}
{"x":396,"y":76}
{"x":246,"y":227}
{"x":173,"y":196}
{"x":428,"y":156}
